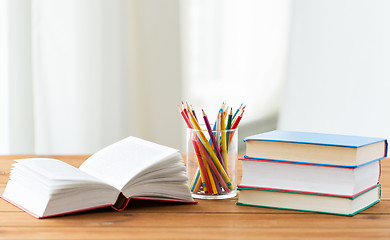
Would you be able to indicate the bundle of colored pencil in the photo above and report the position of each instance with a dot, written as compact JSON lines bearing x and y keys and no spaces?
{"x":211,"y":176}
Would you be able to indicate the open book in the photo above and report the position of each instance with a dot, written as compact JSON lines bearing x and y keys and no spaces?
{"x":130,"y":168}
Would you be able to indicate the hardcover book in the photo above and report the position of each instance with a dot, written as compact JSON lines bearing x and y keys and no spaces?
{"x":348,"y":206}
{"x":315,"y":148}
{"x":130,"y":168}
{"x":309,"y":178}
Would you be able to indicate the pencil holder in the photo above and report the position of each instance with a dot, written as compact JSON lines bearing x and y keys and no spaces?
{"x":211,"y":163}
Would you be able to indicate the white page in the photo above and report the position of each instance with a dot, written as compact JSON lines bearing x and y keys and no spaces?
{"x":56,"y":170}
{"x":118,"y":163}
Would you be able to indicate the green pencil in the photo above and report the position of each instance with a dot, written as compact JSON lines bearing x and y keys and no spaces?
{"x":228,"y":127}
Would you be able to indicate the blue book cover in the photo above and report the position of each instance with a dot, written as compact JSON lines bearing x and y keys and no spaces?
{"x":316,"y":139}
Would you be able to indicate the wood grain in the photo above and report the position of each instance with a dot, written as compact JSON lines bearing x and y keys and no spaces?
{"x":162,"y":233}
{"x":209,"y":219}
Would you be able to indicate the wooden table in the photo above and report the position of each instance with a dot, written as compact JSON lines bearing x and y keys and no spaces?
{"x":209,"y":219}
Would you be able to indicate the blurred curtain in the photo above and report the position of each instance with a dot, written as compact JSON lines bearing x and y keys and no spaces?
{"x":82,"y":74}
{"x":236,"y":51}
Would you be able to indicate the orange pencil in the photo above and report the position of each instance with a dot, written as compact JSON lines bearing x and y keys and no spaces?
{"x":197,"y":185}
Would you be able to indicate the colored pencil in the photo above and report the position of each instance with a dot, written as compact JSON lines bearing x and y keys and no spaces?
{"x":203,"y":172}
{"x":235,"y":125}
{"x":213,"y":180}
{"x":211,"y":154}
{"x":215,"y":170}
{"x":197,"y":184}
{"x":193,"y":112}
{"x":228,"y":127}
{"x":195,"y":181}
{"x":239,"y":109}
{"x":214,"y":142}
{"x":213,"y":186}
{"x":189,"y":125}
{"x":210,"y":151}
{"x":186,"y":120}
{"x":218,"y":131}
{"x":223,"y":141}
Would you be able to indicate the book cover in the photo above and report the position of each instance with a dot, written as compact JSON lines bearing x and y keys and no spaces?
{"x":309,"y":202}
{"x":316,"y":148}
{"x":315,"y":138}
{"x":244,"y":187}
{"x":114,"y":206}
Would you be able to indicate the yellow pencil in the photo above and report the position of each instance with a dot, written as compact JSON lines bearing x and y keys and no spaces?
{"x":210,"y":150}
{"x":202,"y":178}
{"x":223,"y":138}
{"x":218,"y":132}
{"x":214,"y":188}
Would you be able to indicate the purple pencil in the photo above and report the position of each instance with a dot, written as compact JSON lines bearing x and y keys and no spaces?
{"x":216,"y":148}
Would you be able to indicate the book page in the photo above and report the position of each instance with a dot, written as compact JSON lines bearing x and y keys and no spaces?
{"x":55,"y":170}
{"x":118,"y":163}
{"x":44,"y":186}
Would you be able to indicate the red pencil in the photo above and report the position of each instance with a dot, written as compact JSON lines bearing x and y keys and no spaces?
{"x":201,"y":166}
{"x":185,"y":118}
{"x":235,"y":125}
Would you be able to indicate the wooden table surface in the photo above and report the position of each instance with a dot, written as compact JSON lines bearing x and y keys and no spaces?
{"x":209,"y":219}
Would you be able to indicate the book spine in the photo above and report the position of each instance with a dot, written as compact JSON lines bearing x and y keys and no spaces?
{"x":243,"y":187}
{"x":380,"y":171}
{"x":121,"y":203}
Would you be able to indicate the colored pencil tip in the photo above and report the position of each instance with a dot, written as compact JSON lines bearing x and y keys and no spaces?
{"x":204,"y":114}
{"x":231,"y":111}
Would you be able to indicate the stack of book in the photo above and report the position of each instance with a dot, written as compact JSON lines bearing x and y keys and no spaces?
{"x":313,"y":172}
